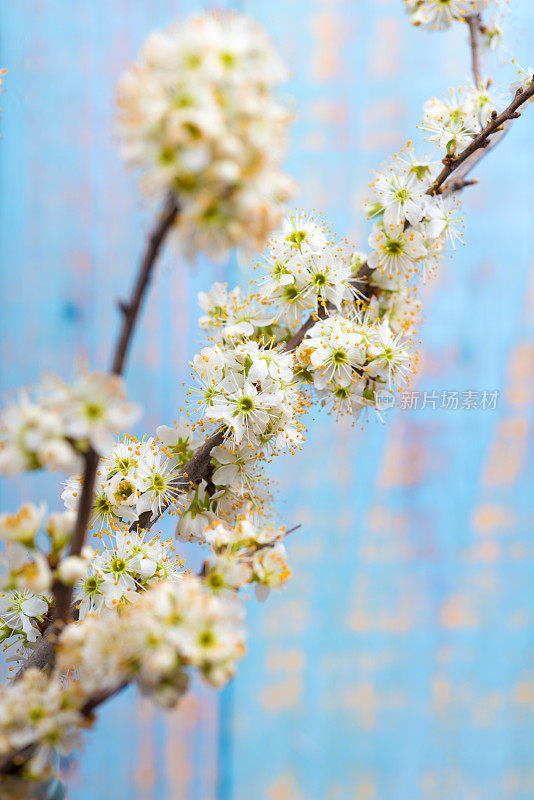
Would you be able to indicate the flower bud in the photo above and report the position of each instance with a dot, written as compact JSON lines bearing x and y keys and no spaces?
{"x":71,"y":570}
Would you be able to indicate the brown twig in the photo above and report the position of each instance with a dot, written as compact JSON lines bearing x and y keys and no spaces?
{"x":130,"y":309}
{"x":62,"y":592}
{"x":474,"y":23}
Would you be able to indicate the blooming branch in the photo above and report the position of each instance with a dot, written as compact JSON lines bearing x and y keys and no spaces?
{"x":322,"y":323}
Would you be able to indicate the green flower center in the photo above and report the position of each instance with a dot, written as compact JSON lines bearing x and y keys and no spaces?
{"x":228,"y":59}
{"x":158,"y":483}
{"x":91,"y":585}
{"x":320,"y":279}
{"x":93,"y":411}
{"x":103,"y":505}
{"x":167,"y":156}
{"x":290,"y":293}
{"x":215,"y":581}
{"x":124,"y":464}
{"x":245,"y":404}
{"x":393,"y":247}
{"x":296,"y":237}
{"x":118,"y":565}
{"x":206,"y":639}
{"x":340,"y":357}
{"x":124,"y":490}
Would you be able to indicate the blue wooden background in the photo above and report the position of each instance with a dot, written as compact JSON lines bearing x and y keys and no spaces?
{"x":398,"y":664}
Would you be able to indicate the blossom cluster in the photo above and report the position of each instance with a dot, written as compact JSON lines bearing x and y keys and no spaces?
{"x":440,"y":14}
{"x":309,"y":277}
{"x":454,"y":121}
{"x":173,"y":627}
{"x":411,"y":225}
{"x":199,"y":115}
{"x":42,"y":712}
{"x":30,"y":568}
{"x":131,"y":562}
{"x":245,"y":554}
{"x":135,"y":477}
{"x":61,"y":421}
{"x":175,"y":624}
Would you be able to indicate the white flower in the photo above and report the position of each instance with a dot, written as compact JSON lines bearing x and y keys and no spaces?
{"x":234,"y":468}
{"x":18,"y":610}
{"x":156,"y":480}
{"x":26,"y":570}
{"x":135,"y":477}
{"x":22,"y":527}
{"x":440,"y":13}
{"x":333,"y":349}
{"x":42,"y":711}
{"x":231,"y":315}
{"x":271,"y":568}
{"x":306,"y":271}
{"x":444,"y":220}
{"x":52,"y":431}
{"x":402,"y":196}
{"x":493,"y":34}
{"x":71,"y":570}
{"x":390,"y":355}
{"x":228,"y":572}
{"x":300,"y":236}
{"x":395,"y":251}
{"x":59,"y":527}
{"x":452,"y":123}
{"x":32,"y":437}
{"x":95,"y":408}
{"x":245,"y":409}
{"x":128,"y":565}
{"x":192,"y":523}
{"x":524,"y":82}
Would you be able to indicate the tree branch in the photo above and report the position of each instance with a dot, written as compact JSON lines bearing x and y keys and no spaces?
{"x":62,"y":592}
{"x":130,"y":310}
{"x":474,"y":23}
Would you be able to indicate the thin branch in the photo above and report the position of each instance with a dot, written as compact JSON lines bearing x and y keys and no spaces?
{"x":62,"y":592}
{"x":474,"y":23}
{"x":130,"y":309}
{"x":459,"y":181}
